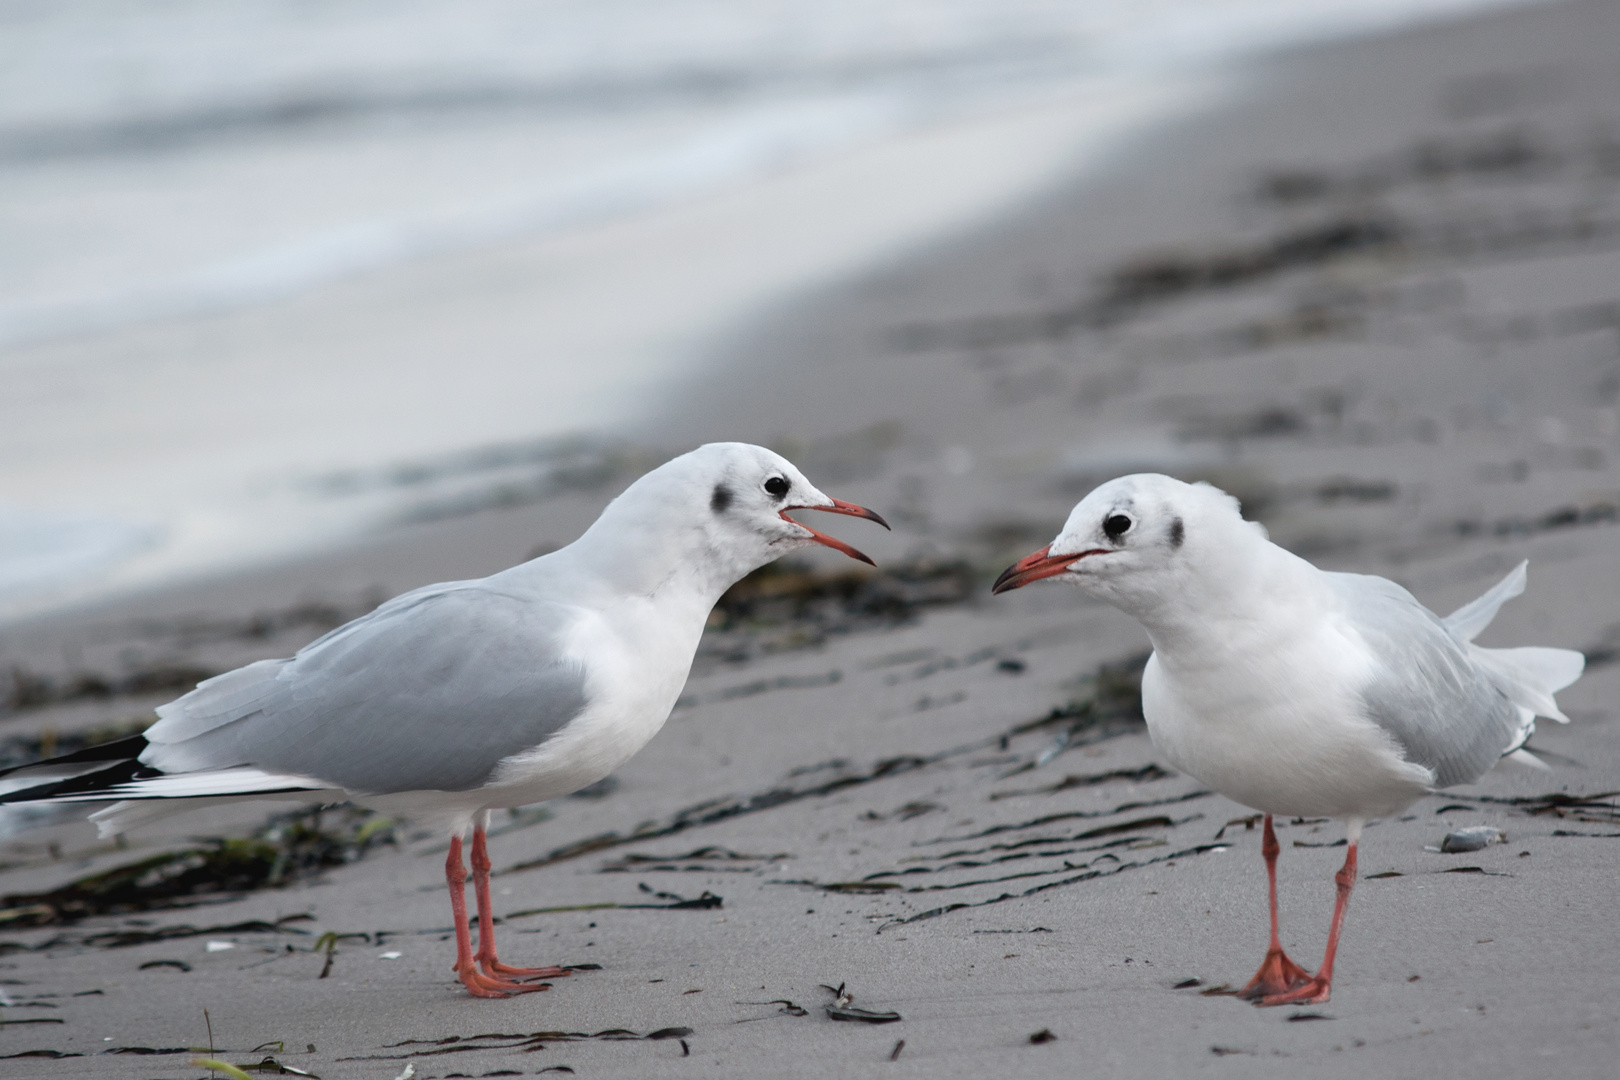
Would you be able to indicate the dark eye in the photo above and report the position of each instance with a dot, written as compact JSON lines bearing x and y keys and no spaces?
{"x":1116,"y":526}
{"x":777,"y":486}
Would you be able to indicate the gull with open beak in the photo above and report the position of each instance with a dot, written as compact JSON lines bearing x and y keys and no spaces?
{"x":1293,"y":690}
{"x":459,"y":698}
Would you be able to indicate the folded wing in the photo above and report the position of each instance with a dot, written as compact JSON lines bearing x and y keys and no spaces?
{"x":430,"y":692}
{"x":1425,"y":690}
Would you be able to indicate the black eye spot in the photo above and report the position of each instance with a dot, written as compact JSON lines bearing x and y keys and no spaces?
{"x":777,"y":486}
{"x":721,"y":499}
{"x":1116,"y":526}
{"x":1178,"y":533}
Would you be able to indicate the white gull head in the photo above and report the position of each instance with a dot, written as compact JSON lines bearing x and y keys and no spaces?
{"x":1155,"y":547}
{"x":715,"y":515}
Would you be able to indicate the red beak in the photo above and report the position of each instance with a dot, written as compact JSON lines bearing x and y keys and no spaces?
{"x":1037,"y":565}
{"x":838,"y":506}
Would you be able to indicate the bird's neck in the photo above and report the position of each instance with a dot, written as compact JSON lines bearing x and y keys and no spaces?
{"x":1240,"y":605}
{"x":673,"y":568}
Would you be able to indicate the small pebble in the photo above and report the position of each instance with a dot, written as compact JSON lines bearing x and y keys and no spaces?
{"x":1471,"y":839}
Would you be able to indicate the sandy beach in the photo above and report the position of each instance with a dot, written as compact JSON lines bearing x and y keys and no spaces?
{"x":1371,"y":290}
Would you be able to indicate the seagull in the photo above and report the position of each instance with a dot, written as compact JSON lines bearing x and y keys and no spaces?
{"x":459,"y":698}
{"x":1295,"y":690}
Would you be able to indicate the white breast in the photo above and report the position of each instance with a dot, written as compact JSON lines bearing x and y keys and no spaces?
{"x":1274,"y":722}
{"x":636,"y":658}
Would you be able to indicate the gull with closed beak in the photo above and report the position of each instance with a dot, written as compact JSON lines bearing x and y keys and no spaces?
{"x":459,"y":698}
{"x":1294,"y":690}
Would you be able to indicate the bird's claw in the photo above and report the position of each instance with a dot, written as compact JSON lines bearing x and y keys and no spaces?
{"x":1277,"y":975}
{"x":484,"y":986}
{"x":494,"y":968}
{"x":1315,"y":991}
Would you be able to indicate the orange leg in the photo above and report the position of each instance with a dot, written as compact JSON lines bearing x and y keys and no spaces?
{"x":477,"y":985}
{"x":1318,"y":988}
{"x":486,"y":920}
{"x":1277,"y":974}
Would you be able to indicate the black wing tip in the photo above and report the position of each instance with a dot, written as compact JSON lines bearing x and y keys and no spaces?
{"x":123,"y":765}
{"x":130,"y":746}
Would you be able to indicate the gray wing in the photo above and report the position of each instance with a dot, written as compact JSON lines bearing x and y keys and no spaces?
{"x":429,"y":692}
{"x":1426,"y":691}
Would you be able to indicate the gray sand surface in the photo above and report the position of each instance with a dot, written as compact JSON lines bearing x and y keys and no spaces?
{"x":1377,"y":296}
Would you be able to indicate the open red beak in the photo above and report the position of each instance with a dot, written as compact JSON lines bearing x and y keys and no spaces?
{"x":1037,"y":565}
{"x":838,"y":506}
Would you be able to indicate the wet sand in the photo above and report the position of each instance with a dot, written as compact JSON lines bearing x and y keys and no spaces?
{"x":1374,"y":296}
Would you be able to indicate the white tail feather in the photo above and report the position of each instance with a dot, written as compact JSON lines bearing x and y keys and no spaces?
{"x":1529,"y":676}
{"x":240,"y":781}
{"x":1467,"y":621}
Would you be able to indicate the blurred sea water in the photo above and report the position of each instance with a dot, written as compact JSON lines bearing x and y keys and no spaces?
{"x":176,"y":161}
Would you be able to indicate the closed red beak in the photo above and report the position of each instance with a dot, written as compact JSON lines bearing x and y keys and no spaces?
{"x":1036,"y":565}
{"x":838,"y":506}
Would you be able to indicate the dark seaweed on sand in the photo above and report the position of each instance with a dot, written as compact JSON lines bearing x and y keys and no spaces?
{"x":793,"y":592}
{"x":792,"y":605}
{"x":788,"y":1008}
{"x":707,"y":902}
{"x":1601,"y":808}
{"x":1145,"y":773}
{"x":528,"y":1042}
{"x":1158,"y":278}
{"x":288,"y":847}
{"x":844,"y":1008}
{"x":708,"y":860}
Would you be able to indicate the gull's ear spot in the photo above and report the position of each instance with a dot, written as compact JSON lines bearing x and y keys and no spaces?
{"x":1178,"y":533}
{"x":721,"y":499}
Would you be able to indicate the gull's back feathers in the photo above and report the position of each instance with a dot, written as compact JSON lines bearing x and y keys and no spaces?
{"x":390,"y":703}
